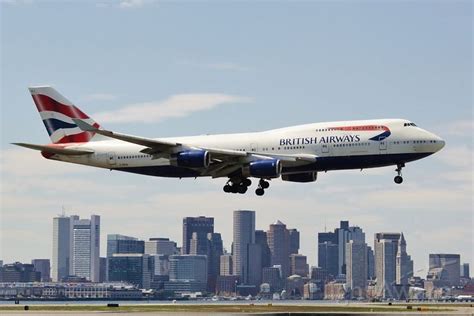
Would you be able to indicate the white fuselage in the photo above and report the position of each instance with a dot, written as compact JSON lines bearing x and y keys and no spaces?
{"x":337,"y":145}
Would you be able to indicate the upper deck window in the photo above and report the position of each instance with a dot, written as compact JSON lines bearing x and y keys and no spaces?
{"x":409,"y":124}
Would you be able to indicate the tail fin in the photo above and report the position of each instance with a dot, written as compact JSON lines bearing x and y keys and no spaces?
{"x":57,"y":113}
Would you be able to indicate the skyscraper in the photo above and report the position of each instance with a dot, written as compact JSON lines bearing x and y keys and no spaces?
{"x":328,"y":254}
{"x":345,"y":233}
{"x":214,"y":252}
{"x":404,"y":264}
{"x":42,"y":266}
{"x":386,"y":248}
{"x":261,"y":239}
{"x":294,"y":240}
{"x":201,"y":226}
{"x":451,"y":263}
{"x":188,"y":273}
{"x":279,"y":242}
{"x":356,"y":268}
{"x":61,"y":247}
{"x":244,"y":235}
{"x":465,"y":270}
{"x":370,"y":264}
{"x":86,"y":247}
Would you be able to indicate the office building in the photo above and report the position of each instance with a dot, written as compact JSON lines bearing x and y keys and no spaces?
{"x":255,"y":265}
{"x":163,"y":246}
{"x":43,"y":266}
{"x":243,"y":236}
{"x":261,"y":239}
{"x":273,"y":277}
{"x":328,"y":254}
{"x":134,"y":268}
{"x":227,"y":285}
{"x":102,"y":269}
{"x":294,"y":235}
{"x":320,"y":275}
{"x":226,"y":264}
{"x":123,"y":244}
{"x":201,"y":226}
{"x":299,"y":265}
{"x":19,"y":272}
{"x":61,"y":259}
{"x":465,"y":271}
{"x":450,"y":263}
{"x":85,"y":246}
{"x":188,"y":273}
{"x":279,"y":243}
{"x":356,"y":268}
{"x":370,"y":264}
{"x":404,"y":264}
{"x":216,"y":249}
{"x":386,"y":248}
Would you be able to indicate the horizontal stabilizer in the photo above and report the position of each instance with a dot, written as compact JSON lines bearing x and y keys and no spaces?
{"x":56,"y":150}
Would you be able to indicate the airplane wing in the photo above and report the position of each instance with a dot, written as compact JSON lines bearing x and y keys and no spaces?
{"x":56,"y":150}
{"x":224,"y":161}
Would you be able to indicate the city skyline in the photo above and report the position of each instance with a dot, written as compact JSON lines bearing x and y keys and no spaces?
{"x":328,"y":61}
{"x":358,"y":234}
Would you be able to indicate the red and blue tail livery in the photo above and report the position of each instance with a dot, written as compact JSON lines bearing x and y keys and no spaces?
{"x":295,"y":153}
{"x":58,"y":113}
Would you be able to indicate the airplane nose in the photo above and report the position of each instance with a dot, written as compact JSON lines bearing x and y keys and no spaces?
{"x":439,"y":142}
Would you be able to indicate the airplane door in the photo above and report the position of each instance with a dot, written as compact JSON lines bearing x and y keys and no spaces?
{"x":383,"y":147}
{"x":111,"y":160}
{"x":325,"y":149}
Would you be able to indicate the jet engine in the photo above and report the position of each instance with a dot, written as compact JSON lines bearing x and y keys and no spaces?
{"x":300,"y":177}
{"x":192,"y":159}
{"x":268,"y":168}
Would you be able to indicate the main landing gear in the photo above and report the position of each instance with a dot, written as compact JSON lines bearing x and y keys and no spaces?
{"x":398,"y":179}
{"x":241,"y":186}
{"x":262,"y":185}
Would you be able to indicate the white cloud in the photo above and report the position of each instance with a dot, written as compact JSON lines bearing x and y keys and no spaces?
{"x":179,"y":105}
{"x":460,"y":128}
{"x":134,"y":4}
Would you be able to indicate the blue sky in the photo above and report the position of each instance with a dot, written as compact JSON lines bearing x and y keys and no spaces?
{"x":279,"y":64}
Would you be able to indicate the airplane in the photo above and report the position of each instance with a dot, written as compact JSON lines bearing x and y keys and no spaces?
{"x":294,"y":154}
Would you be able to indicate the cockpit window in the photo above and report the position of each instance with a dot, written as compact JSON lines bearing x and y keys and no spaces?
{"x":409,"y":124}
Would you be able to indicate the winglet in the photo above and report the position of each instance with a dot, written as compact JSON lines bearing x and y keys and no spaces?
{"x":86,"y":127}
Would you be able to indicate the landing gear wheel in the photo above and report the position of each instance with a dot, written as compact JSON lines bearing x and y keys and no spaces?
{"x":227,"y":188}
{"x":264,"y":184}
{"x":242,"y":189}
{"x":398,"y":179}
{"x":260,"y":191}
{"x":247,"y":182}
{"x":234,"y":189}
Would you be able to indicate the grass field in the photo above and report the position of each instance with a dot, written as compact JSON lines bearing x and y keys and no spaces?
{"x":240,"y":308}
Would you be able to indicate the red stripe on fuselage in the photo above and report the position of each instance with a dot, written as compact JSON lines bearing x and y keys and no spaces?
{"x":45,"y":103}
{"x":361,"y":128}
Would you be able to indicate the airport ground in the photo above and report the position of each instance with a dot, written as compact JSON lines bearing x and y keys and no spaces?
{"x":245,"y":308}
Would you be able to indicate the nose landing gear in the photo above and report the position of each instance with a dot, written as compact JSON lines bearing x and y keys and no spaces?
{"x":399,"y":179}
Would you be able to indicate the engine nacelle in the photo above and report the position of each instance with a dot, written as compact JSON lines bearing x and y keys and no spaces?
{"x":300,"y":177}
{"x":268,"y":168}
{"x":192,"y":159}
